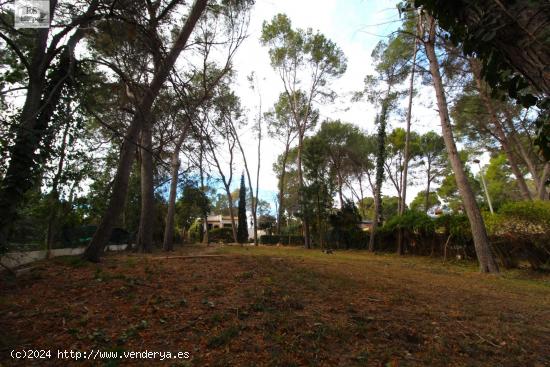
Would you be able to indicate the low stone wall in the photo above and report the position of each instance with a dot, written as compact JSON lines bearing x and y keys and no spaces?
{"x":15,"y":259}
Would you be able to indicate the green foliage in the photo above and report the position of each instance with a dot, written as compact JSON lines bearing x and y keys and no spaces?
{"x":220,"y":235}
{"x":448,"y":190}
{"x":419,"y":202}
{"x":500,"y":182}
{"x":196,"y":231}
{"x":456,"y":225}
{"x":242,"y":229}
{"x":290,"y":46}
{"x":488,"y":35}
{"x":282,"y":239}
{"x":521,"y":230}
{"x":266,"y":221}
{"x":522,"y":218}
{"x":345,"y":227}
{"x":389,"y":207}
{"x":414,"y":222}
{"x":192,"y":204}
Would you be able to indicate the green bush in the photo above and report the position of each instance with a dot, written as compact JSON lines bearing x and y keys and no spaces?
{"x":221,"y":235}
{"x":195,"y":231}
{"x":282,"y":239}
{"x":521,"y":230}
{"x":414,"y":222}
{"x":456,"y":225}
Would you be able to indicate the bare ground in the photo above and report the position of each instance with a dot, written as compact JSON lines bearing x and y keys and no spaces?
{"x":272,"y":306}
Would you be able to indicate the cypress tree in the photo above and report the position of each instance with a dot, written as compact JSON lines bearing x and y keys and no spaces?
{"x":242,"y":229}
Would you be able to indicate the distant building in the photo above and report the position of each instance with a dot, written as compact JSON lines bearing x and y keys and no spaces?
{"x":220,"y":221}
{"x":365,"y":225}
{"x":224,"y":221}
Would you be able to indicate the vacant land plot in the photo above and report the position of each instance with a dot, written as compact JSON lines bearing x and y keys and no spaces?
{"x":278,"y":307}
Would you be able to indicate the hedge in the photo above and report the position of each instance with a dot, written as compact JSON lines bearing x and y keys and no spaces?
{"x":282,"y":239}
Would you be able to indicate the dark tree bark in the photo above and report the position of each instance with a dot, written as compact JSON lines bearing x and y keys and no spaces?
{"x":41,"y":101}
{"x":120,"y":185}
{"x":485,"y":257}
{"x":147,"y":214}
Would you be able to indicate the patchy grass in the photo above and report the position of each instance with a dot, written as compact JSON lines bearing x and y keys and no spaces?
{"x":270,"y":306}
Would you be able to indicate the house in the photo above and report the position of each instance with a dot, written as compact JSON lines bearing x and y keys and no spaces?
{"x":365,"y":225}
{"x":224,"y":221}
{"x":220,"y":221}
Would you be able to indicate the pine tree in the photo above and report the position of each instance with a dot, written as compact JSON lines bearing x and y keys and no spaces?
{"x":242,"y":230}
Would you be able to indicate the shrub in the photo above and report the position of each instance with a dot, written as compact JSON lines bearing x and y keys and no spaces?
{"x":456,"y":225}
{"x":221,"y":235}
{"x":195,"y":231}
{"x":415,"y":222}
{"x":282,"y":239}
{"x":418,"y":230}
{"x":521,"y":230}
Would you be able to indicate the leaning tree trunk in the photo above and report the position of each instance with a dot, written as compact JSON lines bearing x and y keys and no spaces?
{"x":485,"y":257}
{"x":120,"y":184}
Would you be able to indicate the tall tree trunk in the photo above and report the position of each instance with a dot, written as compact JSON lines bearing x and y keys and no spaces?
{"x":542,"y":193}
{"x":54,"y":193}
{"x":281,"y":189}
{"x":380,"y":158}
{"x":255,"y":213}
{"x":406,"y":158}
{"x":427,"y":197}
{"x":206,"y":237}
{"x":305,"y":219}
{"x":120,"y":184}
{"x":168,"y":238}
{"x":231,"y":213}
{"x":168,"y":241}
{"x":251,"y":190}
{"x":340,"y":195}
{"x":485,"y":257}
{"x":503,"y":139}
{"x":147,"y":215}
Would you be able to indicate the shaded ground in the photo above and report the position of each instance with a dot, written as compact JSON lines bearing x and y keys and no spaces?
{"x":278,"y":307}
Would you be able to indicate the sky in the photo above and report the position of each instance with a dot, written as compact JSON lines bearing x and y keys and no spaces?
{"x":356,"y":26}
